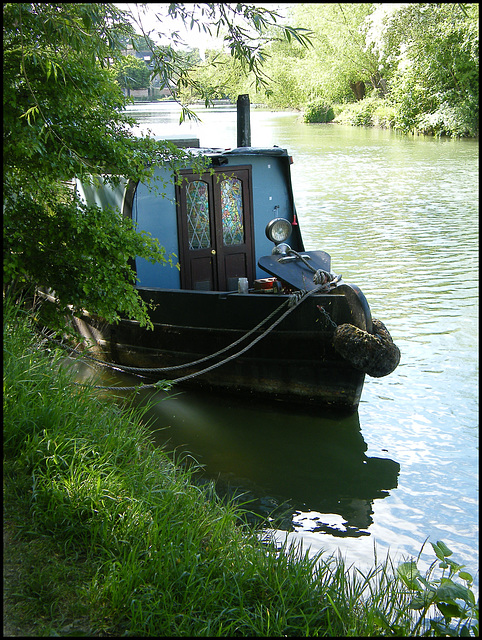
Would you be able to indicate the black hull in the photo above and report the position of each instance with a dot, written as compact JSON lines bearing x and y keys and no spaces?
{"x":294,"y":363}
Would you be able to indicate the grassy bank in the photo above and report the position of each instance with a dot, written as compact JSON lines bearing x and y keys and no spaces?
{"x":108,"y":536}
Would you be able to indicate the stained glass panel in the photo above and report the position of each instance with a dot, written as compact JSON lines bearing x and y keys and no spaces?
{"x":232,"y":211}
{"x":198,"y":228}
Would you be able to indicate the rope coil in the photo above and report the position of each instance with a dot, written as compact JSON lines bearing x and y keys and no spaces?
{"x":324,"y":279}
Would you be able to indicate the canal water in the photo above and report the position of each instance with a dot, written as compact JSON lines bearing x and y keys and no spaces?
{"x":399,"y":217}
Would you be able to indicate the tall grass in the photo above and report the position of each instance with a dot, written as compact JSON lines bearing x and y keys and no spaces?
{"x":134,"y":546}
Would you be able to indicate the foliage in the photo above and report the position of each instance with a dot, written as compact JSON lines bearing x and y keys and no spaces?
{"x":287,"y":87}
{"x":364,"y":113}
{"x":222,"y":77}
{"x":339,"y":56}
{"x":430,"y":54}
{"x":420,"y":58}
{"x":299,"y":74}
{"x":132,"y":73}
{"x":246,"y":30}
{"x":383,"y":115}
{"x":451,"y":594}
{"x":101,"y":276}
{"x":337,"y":59}
{"x":319,"y":112}
{"x":64,"y":118}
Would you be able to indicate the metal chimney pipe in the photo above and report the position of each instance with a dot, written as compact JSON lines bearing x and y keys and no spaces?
{"x":243,"y":122}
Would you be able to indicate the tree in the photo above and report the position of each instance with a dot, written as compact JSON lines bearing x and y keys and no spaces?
{"x":132,"y":73}
{"x":339,"y":58}
{"x":64,"y":118}
{"x":336,"y":64}
{"x":431,"y":55}
{"x":221,"y":77}
{"x":247,"y":32}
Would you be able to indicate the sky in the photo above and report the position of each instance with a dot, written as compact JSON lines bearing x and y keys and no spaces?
{"x":193,"y":38}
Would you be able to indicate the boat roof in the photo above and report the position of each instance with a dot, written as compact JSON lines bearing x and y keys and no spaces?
{"x":191,"y":144}
{"x":240,"y":151}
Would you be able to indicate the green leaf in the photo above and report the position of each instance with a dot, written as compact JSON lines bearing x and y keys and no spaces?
{"x":450,"y":610}
{"x":449,"y":591}
{"x":418,"y":603}
{"x":408,"y":574}
{"x":31,"y":114}
{"x":454,"y":566}
{"x":381,"y":620}
{"x":428,"y":585}
{"x":466,"y":576}
{"x":441,"y":550}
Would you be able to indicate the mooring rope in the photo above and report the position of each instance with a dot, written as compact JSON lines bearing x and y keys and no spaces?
{"x":321,"y":277}
{"x":293,"y":302}
{"x":174,"y":367}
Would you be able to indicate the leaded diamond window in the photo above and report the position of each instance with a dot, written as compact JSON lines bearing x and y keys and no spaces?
{"x":197,"y":199}
{"x":232,"y":211}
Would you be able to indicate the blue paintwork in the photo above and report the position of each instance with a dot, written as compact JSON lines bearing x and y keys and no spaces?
{"x":154,"y":208}
{"x":272,"y":198}
{"x":154,"y":211}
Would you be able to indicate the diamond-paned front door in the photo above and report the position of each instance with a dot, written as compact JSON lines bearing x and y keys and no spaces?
{"x":215,"y":229}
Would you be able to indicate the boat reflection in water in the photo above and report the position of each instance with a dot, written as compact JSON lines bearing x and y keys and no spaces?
{"x":305,"y":472}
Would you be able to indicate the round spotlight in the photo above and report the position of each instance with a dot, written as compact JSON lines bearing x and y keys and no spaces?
{"x":278,"y":230}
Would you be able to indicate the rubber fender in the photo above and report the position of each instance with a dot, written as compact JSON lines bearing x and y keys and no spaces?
{"x":373,"y":353}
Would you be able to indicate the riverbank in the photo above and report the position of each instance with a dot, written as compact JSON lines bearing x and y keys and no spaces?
{"x":371,"y":112}
{"x":107,"y":535}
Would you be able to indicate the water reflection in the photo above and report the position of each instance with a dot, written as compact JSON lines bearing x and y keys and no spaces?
{"x":307,"y":472}
{"x":302,"y":471}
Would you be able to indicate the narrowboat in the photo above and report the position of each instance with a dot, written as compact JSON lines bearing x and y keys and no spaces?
{"x":246,"y":310}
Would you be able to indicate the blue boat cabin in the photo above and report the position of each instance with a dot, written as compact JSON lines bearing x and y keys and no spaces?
{"x":213,"y":225}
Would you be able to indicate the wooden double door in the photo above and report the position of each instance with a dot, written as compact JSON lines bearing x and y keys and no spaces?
{"x":215,"y":229}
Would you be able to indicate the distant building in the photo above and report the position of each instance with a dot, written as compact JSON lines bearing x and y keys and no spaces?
{"x":154,"y":91}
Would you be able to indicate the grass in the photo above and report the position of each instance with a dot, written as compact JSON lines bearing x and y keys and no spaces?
{"x":110,"y":536}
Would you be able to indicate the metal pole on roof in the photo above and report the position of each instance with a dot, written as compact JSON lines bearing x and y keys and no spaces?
{"x":243,"y":121}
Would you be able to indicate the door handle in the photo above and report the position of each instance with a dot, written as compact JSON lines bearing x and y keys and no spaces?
{"x":213,"y":251}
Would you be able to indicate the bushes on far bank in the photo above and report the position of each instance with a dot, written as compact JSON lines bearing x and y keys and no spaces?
{"x":369,"y":112}
{"x":318,"y":112}
{"x":379,"y":112}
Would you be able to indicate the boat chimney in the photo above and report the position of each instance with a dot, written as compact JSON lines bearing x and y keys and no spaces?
{"x":244,"y":125}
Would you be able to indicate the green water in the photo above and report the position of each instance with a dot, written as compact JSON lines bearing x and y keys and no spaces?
{"x":399,"y":216}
